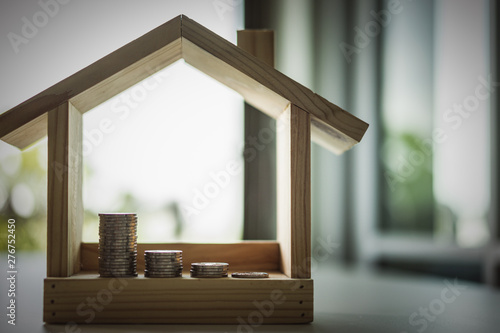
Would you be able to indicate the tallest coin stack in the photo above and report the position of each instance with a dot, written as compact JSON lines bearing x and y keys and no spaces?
{"x":117,"y":245}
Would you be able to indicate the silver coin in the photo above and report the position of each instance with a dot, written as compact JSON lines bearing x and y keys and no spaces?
{"x":118,"y":228}
{"x":110,"y":243}
{"x":208,"y":269}
{"x":163,"y":252}
{"x":164,"y":262}
{"x":120,"y":237}
{"x":207,"y":276}
{"x":162,"y":272}
{"x":209,"y":264}
{"x":250,"y":275}
{"x":117,"y":275}
{"x":128,"y":268}
{"x":162,"y":276}
{"x":156,"y":267}
{"x":118,"y":259}
{"x":114,"y":275}
{"x":158,"y":257}
{"x":117,"y":271}
{"x":117,"y":224}
{"x":119,"y":234}
{"x":118,"y":246}
{"x":207,"y":273}
{"x":117,"y":255}
{"x":118,"y":252}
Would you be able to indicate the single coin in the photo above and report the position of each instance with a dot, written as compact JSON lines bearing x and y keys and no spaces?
{"x":250,"y":275}
{"x":209,"y":264}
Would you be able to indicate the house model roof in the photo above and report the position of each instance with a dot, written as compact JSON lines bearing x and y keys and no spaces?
{"x":182,"y":38}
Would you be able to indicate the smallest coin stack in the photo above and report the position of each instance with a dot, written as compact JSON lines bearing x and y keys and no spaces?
{"x":209,"y":269}
{"x":163,"y":263}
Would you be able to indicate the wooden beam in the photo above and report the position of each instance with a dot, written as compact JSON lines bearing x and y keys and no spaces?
{"x":294,"y":191}
{"x":260,"y":84}
{"x":65,"y":204}
{"x":186,"y":300}
{"x":248,"y":256}
{"x":98,"y":82}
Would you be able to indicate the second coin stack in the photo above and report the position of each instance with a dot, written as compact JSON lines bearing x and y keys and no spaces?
{"x":163,"y":263}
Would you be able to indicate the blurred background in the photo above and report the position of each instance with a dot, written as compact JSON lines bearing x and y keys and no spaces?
{"x":418,"y":194}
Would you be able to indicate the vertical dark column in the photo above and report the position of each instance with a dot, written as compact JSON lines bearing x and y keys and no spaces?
{"x":260,"y":169}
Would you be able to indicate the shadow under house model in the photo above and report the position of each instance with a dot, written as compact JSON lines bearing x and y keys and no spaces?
{"x":72,"y":280}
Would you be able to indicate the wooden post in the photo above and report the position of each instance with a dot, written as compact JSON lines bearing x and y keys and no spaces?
{"x":65,"y":204}
{"x":294,"y":191}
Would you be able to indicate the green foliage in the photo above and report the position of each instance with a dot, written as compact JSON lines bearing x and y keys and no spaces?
{"x":407,"y":187}
{"x":23,"y":178}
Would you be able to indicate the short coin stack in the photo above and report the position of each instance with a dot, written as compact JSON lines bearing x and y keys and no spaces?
{"x":209,"y":269}
{"x":118,"y":244}
{"x":163,"y":263}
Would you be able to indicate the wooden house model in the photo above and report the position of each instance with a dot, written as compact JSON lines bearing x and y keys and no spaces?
{"x":285,"y":297}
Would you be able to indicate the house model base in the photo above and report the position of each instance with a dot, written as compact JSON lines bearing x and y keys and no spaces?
{"x":74,"y":292}
{"x":86,"y":298}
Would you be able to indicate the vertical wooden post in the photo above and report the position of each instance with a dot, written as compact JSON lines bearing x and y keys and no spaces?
{"x":294,"y":191}
{"x":65,"y":204}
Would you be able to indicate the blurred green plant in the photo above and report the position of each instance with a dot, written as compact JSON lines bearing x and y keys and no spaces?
{"x":408,"y":200}
{"x":23,"y":196}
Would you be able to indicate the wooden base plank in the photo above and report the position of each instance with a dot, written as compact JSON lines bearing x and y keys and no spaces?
{"x":249,"y":255}
{"x":86,"y":298}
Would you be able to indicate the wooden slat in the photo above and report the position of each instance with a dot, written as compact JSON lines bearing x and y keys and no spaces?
{"x":254,"y":256}
{"x":102,"y":80}
{"x":260,"y":84}
{"x":64,"y":202}
{"x":28,"y":133}
{"x":294,"y":192}
{"x":179,"y":300}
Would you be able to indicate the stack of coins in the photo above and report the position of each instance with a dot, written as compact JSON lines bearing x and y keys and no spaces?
{"x":163,"y":263}
{"x":209,"y":269}
{"x":118,"y":244}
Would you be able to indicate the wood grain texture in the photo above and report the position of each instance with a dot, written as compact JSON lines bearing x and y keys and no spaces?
{"x":248,"y":255}
{"x":97,"y":82}
{"x":179,"y":300}
{"x":64,"y":200}
{"x":28,"y":133}
{"x":260,"y":84}
{"x":294,"y":191}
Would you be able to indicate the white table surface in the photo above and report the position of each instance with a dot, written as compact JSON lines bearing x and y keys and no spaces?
{"x":346,"y":300}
